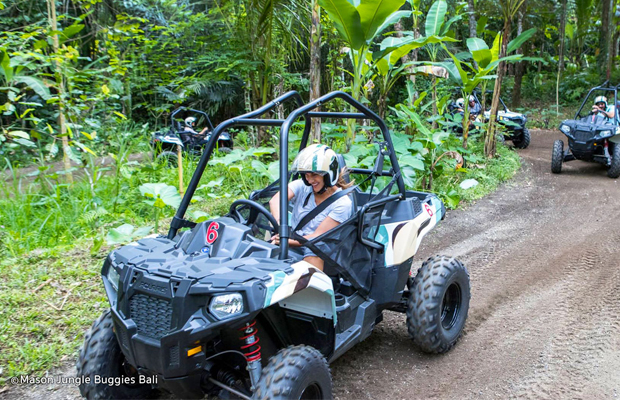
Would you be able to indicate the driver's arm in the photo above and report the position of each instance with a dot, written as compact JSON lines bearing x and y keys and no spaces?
{"x":274,"y":204}
{"x":611,"y":113}
{"x":327,"y":224}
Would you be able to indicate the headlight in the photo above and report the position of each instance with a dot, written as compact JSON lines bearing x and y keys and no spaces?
{"x":113,"y":277}
{"x":605,"y":133}
{"x":226,"y":305}
{"x":565,"y":129}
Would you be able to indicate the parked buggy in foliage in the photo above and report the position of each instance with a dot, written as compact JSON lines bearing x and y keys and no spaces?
{"x":514,"y":123}
{"x":591,"y":135}
{"x":214,"y":308}
{"x":180,"y":133}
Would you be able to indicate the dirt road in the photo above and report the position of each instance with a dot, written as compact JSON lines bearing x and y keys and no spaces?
{"x":544,"y":322}
{"x":544,"y":258}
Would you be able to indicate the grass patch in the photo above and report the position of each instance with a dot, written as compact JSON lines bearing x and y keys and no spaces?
{"x":49,"y":298}
{"x":490,"y":173}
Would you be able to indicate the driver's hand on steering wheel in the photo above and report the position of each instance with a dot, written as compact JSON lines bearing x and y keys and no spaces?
{"x":595,"y":109}
{"x":275,"y":239}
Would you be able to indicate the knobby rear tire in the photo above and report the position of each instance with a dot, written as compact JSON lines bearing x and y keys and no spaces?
{"x":438,"y":304}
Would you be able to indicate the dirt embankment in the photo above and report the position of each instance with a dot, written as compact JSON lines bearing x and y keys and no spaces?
{"x":543,"y":253}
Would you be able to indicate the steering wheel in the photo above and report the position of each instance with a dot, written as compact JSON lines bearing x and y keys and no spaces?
{"x":255,"y":210}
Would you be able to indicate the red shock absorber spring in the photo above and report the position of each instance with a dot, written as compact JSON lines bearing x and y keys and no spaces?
{"x":251,"y":348}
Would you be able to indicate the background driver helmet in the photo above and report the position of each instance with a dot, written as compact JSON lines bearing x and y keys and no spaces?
{"x":460,"y":103}
{"x":472,"y":98}
{"x":600,"y":99}
{"x":190,"y":121}
{"x":318,"y":159}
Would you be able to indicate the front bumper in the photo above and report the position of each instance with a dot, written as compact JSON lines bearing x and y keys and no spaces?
{"x":167,"y":358}
{"x":158,"y":320}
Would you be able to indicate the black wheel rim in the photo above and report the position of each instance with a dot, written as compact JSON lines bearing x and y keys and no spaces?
{"x":450,"y":306}
{"x":312,"y":391}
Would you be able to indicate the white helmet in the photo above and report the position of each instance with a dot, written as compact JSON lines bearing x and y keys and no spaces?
{"x":600,"y":99}
{"x":472,"y":98}
{"x":318,"y":159}
{"x":190,"y":121}
{"x":460,"y":103}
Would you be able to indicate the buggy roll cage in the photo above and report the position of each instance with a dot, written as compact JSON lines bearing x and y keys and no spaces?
{"x":606,"y":86}
{"x":178,"y":110}
{"x":305,"y":111}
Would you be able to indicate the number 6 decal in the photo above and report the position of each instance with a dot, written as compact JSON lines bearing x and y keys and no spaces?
{"x":212,"y":232}
{"x":428,"y":210}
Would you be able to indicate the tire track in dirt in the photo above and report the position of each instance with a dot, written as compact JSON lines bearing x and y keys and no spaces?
{"x":584,"y":335}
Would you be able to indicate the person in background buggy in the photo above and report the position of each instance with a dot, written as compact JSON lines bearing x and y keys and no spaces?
{"x":474,"y":107}
{"x":320,"y":178}
{"x":190,"y":122}
{"x":601,"y":109}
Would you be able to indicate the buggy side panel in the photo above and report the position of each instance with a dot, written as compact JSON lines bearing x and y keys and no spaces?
{"x":312,"y":301}
{"x":402,"y":239}
{"x":404,"y":225}
{"x":306,"y":289}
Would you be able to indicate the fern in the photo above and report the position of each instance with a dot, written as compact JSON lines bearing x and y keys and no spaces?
{"x":93,"y":215}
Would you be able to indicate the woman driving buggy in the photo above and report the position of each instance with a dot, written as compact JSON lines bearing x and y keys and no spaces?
{"x":602,"y":109}
{"x":320,"y":178}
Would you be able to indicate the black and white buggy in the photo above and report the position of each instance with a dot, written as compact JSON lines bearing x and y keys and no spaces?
{"x":514,"y":123}
{"x":214,"y":308}
{"x":591,"y":136}
{"x":165,"y":143}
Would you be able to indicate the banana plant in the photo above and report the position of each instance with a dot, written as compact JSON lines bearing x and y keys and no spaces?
{"x":436,"y":26}
{"x":359,"y":25}
{"x":15,"y":72}
{"x":468,"y":76}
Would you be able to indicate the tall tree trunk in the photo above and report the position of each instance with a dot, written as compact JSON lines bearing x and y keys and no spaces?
{"x":542,"y":49}
{"x":472,"y":18}
{"x":560,"y":55}
{"x":612,"y":39}
{"x":315,"y":66}
{"x":51,"y":5}
{"x":616,"y":42}
{"x":398,"y":29}
{"x":414,"y":57}
{"x":562,"y":35}
{"x":520,"y":67}
{"x":490,"y":140}
{"x":604,"y":37}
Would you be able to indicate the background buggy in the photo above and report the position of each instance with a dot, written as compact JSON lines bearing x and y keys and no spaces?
{"x":165,"y":142}
{"x":590,"y":137}
{"x":514,"y":123}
